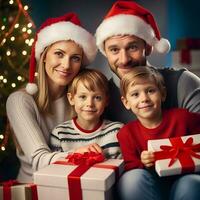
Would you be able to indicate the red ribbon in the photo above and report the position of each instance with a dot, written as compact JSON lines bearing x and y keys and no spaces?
{"x":7,"y":189}
{"x":84,"y":162}
{"x":181,"y":151}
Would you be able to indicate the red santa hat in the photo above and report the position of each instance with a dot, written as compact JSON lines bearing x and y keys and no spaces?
{"x":67,"y":27}
{"x":129,"y":18}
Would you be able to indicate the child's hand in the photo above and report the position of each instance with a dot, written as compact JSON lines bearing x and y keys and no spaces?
{"x":88,"y":148}
{"x":147,"y":158}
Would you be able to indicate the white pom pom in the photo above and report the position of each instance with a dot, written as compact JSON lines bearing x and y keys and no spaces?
{"x":31,"y":88}
{"x":162,"y":46}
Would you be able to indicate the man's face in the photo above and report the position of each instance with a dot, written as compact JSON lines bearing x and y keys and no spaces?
{"x":124,"y":53}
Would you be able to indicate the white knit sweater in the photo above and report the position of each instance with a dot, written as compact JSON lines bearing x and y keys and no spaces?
{"x":32,"y":130}
{"x":68,"y":136}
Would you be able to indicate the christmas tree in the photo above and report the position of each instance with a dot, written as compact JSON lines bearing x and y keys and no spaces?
{"x":17,"y":32}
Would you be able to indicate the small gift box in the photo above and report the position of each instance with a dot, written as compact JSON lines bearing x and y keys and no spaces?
{"x":188,"y":43}
{"x":77,"y":179}
{"x":13,"y":190}
{"x":189,"y":59}
{"x":176,"y":155}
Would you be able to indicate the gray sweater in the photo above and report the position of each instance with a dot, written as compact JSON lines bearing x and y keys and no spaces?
{"x":32,"y":131}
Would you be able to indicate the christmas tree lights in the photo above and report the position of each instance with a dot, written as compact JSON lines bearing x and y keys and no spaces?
{"x":17,"y":31}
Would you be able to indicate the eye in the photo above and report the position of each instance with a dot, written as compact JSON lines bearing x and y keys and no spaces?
{"x":132,"y":47}
{"x":152,"y":90}
{"x":134,"y":94}
{"x":59,"y":54}
{"x":82,"y":97}
{"x":76,"y":58}
{"x":98,"y":97}
{"x":114,"y":50}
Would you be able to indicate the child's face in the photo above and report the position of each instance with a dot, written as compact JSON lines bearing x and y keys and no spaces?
{"x":89,"y":105}
{"x":144,"y":99}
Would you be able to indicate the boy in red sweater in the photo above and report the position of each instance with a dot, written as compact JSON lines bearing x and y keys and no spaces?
{"x":143,"y":92}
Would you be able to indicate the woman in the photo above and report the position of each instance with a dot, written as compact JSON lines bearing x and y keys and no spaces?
{"x":61,"y":48}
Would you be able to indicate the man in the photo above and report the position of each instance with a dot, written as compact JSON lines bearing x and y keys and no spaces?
{"x":127,"y":35}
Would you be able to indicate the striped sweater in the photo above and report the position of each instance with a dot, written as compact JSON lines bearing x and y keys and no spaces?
{"x":68,"y":136}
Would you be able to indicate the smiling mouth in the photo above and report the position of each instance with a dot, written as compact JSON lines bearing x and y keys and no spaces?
{"x":89,"y":111}
{"x":63,"y":73}
{"x":147,"y":106}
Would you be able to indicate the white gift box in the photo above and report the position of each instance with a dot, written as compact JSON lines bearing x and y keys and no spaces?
{"x":161,"y":166}
{"x":96,"y":183}
{"x":194,"y":57}
{"x":18,"y":192}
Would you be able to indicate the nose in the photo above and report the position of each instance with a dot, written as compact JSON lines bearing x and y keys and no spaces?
{"x":66,"y":63}
{"x":144,"y":97}
{"x":90,"y":102}
{"x":124,"y":57}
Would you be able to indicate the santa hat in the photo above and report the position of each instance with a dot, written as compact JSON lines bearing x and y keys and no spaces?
{"x":67,"y":27}
{"x":129,"y":18}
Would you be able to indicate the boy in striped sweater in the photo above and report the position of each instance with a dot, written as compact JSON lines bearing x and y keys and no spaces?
{"x":88,"y":131}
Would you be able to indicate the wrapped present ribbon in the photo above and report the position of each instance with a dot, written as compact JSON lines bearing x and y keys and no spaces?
{"x":183,"y":151}
{"x":7,"y":189}
{"x":185,"y":56}
{"x":84,"y":162}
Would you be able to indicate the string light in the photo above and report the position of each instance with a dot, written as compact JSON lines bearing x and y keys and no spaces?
{"x":11,"y":2}
{"x":24,"y":52}
{"x":24,"y":29}
{"x":1,"y":137}
{"x":3,"y":28}
{"x":13,"y":85}
{"x":8,"y":53}
{"x":1,"y":77}
{"x":19,"y":78}
{"x":3,"y":148}
{"x":4,"y":80}
{"x":16,"y":25}
{"x":29,"y":31}
{"x":12,"y":38}
{"x":29,"y":25}
{"x":25,"y":7}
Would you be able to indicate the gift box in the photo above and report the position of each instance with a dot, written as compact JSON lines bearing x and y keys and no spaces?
{"x":189,"y":59}
{"x":188,"y":43}
{"x":176,"y":155}
{"x":13,"y":190}
{"x":97,"y":181}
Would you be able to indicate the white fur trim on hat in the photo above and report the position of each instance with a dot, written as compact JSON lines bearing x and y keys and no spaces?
{"x":66,"y":31}
{"x":31,"y":88}
{"x":124,"y":24}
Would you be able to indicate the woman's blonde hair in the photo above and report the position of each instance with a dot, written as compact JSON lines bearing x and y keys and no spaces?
{"x":92,"y":79}
{"x":43,"y":97}
{"x":144,"y":72}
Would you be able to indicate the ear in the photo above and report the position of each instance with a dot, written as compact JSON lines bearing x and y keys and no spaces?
{"x":148,"y":50}
{"x":126,"y":103}
{"x":70,"y":99}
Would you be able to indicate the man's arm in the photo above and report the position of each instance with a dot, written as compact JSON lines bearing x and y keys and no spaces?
{"x":188,"y":91}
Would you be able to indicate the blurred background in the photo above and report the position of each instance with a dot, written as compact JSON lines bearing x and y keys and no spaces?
{"x":178,"y":21}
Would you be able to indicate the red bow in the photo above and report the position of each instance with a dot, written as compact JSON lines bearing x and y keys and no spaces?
{"x":179,"y":150}
{"x":88,"y":158}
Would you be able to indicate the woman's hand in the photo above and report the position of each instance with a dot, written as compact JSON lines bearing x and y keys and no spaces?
{"x":88,"y":148}
{"x":147,"y":158}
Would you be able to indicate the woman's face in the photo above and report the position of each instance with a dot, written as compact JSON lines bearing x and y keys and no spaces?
{"x":62,"y":62}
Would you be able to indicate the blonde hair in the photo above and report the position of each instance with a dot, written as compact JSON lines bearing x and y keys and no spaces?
{"x":91,"y":79}
{"x":142,"y":72}
{"x":43,"y":97}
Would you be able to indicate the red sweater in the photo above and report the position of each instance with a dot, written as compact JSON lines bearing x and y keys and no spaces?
{"x":133,"y":136}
